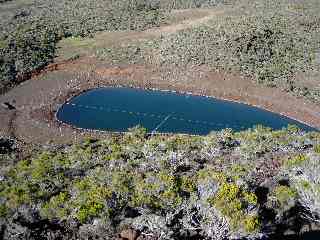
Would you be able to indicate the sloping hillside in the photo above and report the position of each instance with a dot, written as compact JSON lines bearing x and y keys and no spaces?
{"x":57,"y":182}
{"x":228,"y":185}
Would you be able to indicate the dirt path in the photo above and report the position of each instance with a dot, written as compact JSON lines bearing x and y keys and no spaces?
{"x":207,"y":15}
{"x":38,"y":99}
{"x":183,"y":19}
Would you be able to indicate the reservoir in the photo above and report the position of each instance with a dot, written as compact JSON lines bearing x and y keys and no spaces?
{"x":117,"y":109}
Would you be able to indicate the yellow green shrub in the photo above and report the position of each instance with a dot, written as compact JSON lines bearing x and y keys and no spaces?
{"x":250,"y":198}
{"x":56,"y":207}
{"x":297,"y":160}
{"x":188,"y":184}
{"x":232,"y":202}
{"x":284,"y":194}
{"x":206,"y":174}
{"x":317,"y":148}
{"x":91,"y":199}
{"x":251,"y":223}
{"x":3,"y":210}
{"x":157,"y":190}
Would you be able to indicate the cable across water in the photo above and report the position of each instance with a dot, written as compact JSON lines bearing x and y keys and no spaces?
{"x":156,"y":115}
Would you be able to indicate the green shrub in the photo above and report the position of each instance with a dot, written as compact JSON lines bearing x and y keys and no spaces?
{"x":41,"y":167}
{"x":232,"y":201}
{"x":17,"y":195}
{"x":284,"y":195}
{"x":317,"y":148}
{"x":91,"y":199}
{"x":297,"y":160}
{"x":76,"y":182}
{"x":262,"y":47}
{"x":3,"y":210}
{"x":122,"y":185}
{"x":89,"y":209}
{"x":157,"y":190}
{"x":211,"y":174}
{"x":238,"y":171}
{"x":56,"y":207}
{"x":251,"y":224}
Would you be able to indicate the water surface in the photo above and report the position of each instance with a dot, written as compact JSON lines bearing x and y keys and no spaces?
{"x":117,"y":109}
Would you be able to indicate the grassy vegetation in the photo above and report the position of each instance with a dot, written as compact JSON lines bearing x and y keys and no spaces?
{"x":178,"y":178}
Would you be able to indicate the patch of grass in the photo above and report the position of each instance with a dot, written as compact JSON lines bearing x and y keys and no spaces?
{"x":78,"y":41}
{"x":185,"y":4}
{"x":133,"y":53}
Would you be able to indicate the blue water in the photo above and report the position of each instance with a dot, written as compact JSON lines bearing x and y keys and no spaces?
{"x":117,"y":109}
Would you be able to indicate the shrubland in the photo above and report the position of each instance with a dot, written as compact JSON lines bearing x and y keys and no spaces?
{"x":254,"y":184}
{"x":29,"y":31}
{"x":276,"y":43}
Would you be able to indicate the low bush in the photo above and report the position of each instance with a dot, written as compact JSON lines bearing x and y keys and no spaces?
{"x":29,"y":34}
{"x":168,"y":184}
{"x":266,"y":48}
{"x":271,"y":42}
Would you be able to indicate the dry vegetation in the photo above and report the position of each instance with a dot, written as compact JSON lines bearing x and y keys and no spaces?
{"x":254,"y":184}
{"x":29,"y":32}
{"x":227,"y":185}
{"x":275,"y":42}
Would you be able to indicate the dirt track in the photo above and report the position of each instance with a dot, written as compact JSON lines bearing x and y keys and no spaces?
{"x":37,"y":100}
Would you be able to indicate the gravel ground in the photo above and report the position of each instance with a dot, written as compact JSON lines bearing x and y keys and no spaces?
{"x":34,"y":117}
